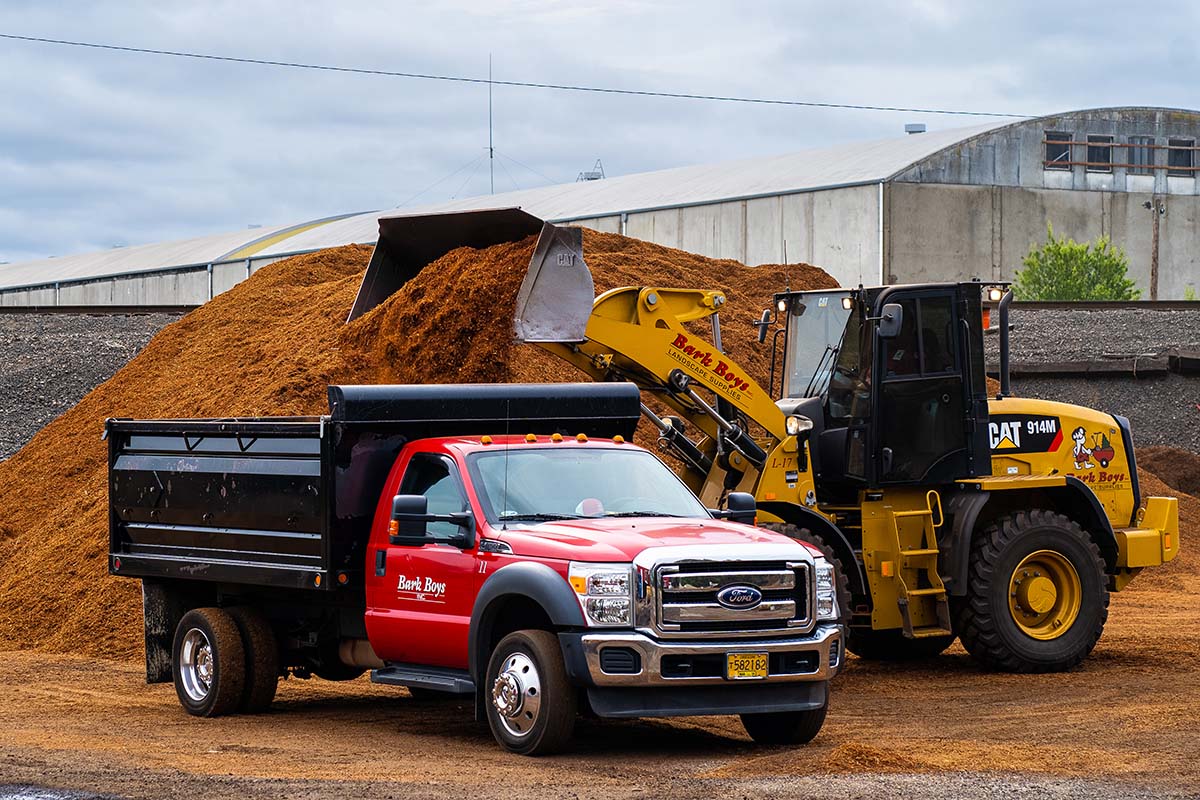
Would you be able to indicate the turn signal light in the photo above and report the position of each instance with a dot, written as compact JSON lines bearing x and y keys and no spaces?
{"x":393,"y":528}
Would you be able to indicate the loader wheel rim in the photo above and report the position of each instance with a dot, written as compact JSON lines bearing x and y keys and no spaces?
{"x":1045,"y":595}
{"x":517,"y":694}
{"x":196,"y":665}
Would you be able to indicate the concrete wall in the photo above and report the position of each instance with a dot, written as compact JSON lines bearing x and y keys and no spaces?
{"x":957,"y":232}
{"x":835,"y":229}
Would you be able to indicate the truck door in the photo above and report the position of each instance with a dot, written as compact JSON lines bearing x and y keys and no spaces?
{"x":419,"y":598}
{"x":920,"y":426}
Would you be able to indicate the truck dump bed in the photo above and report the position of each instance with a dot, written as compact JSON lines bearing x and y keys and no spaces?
{"x":288,"y":502}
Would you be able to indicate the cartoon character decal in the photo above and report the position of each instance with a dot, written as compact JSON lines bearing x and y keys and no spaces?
{"x":1102,"y":449}
{"x":1082,"y":453}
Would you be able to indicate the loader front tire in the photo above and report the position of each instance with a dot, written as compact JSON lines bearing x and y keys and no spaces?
{"x":1037,"y":596}
{"x":894,"y":646}
{"x":843,"y":583}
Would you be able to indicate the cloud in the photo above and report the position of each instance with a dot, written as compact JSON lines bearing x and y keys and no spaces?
{"x":100,"y":148}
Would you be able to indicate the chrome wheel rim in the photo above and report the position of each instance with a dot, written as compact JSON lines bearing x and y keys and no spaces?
{"x":196,"y":664}
{"x":517,"y":695}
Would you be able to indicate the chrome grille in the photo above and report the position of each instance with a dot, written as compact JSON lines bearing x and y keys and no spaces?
{"x":688,"y":604}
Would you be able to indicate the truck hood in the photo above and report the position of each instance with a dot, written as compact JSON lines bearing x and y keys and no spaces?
{"x":622,"y":539}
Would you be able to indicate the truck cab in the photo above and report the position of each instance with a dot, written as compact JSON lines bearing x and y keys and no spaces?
{"x":545,"y":572}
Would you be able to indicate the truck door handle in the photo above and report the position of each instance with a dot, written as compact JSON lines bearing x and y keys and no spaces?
{"x":380,"y":563}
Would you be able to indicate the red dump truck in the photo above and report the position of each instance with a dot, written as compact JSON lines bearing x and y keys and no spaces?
{"x":501,"y":541}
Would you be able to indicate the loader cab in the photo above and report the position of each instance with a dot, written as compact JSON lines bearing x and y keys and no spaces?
{"x":893,"y":379}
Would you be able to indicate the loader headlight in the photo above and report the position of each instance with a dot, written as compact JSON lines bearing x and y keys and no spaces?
{"x":826,"y":595}
{"x":796,"y":425}
{"x":604,"y":591}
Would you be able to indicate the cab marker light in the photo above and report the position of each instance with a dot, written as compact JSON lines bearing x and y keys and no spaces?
{"x":556,"y":437}
{"x":531,"y":438}
{"x":618,"y":439}
{"x":485,"y":440}
{"x":581,"y":437}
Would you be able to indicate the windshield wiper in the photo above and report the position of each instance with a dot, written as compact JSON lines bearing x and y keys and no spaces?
{"x":638,"y":514}
{"x":830,"y":349}
{"x":536,"y":517}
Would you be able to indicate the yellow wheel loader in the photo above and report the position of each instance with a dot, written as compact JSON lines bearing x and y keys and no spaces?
{"x":1003,"y":521}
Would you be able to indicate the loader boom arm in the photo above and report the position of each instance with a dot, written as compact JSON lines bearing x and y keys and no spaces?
{"x":639,"y":334}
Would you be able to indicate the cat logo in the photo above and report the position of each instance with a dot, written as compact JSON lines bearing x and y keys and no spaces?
{"x":1004,"y":435}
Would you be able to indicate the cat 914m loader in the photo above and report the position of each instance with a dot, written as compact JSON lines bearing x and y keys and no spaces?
{"x":1002,"y":521}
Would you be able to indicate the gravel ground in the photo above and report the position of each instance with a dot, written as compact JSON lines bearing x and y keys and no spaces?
{"x":1041,"y":336}
{"x":50,"y":361}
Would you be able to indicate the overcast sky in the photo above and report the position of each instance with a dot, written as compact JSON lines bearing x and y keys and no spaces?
{"x":101,"y":149}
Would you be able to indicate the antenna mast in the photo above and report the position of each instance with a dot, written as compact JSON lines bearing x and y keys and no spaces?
{"x":491,"y":149}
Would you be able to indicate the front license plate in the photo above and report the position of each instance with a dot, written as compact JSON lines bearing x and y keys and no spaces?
{"x":745,"y":666}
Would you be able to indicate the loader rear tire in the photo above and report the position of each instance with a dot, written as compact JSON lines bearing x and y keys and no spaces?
{"x":208,"y":663}
{"x":894,"y":646}
{"x":843,"y":583}
{"x":262,"y":659}
{"x":1037,"y":595}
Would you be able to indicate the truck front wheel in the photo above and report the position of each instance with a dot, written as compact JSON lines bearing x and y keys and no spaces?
{"x":786,"y":727}
{"x":1036,"y":597}
{"x":530,"y":705}
{"x":208,"y":663}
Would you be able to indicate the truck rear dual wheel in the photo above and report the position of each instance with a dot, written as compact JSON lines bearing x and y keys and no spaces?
{"x":208,"y":663}
{"x":224,"y":660}
{"x":262,"y":659}
{"x":531,"y":706}
{"x":786,"y":727}
{"x":1037,"y":596}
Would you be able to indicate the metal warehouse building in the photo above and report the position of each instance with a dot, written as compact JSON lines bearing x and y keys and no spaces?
{"x":942,"y":205}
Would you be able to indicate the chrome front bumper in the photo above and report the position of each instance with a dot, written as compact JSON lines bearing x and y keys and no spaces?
{"x":825,"y":642}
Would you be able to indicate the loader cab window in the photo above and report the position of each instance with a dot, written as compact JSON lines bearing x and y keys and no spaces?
{"x":918,"y":431}
{"x":436,"y":477}
{"x":815,"y":328}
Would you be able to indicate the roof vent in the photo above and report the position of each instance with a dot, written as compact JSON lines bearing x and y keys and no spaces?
{"x":914,"y":127}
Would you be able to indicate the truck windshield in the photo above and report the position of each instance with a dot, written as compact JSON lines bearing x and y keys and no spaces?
{"x":567,"y":482}
{"x":815,"y":326}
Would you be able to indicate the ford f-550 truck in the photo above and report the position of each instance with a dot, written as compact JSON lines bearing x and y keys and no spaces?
{"x":501,"y":541}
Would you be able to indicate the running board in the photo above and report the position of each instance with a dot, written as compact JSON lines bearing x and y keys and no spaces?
{"x":438,"y":679}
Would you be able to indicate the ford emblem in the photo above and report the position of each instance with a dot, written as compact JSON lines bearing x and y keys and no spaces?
{"x":739,"y":597}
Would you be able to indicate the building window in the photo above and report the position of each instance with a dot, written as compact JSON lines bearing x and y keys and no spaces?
{"x":1181,"y":156}
{"x":1099,"y":153}
{"x":1058,"y":150}
{"x":1141,"y":155}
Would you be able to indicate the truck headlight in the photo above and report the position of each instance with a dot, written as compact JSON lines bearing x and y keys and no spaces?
{"x":604,"y":591}
{"x":827,"y":607}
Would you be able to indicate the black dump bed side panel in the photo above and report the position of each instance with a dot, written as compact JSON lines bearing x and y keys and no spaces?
{"x":245,"y":501}
{"x":288,"y":502}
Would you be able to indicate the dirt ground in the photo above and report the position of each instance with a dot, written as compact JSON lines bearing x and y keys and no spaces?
{"x":1122,"y":725}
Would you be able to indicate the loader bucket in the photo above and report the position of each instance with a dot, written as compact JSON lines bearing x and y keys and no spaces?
{"x":556,"y":294}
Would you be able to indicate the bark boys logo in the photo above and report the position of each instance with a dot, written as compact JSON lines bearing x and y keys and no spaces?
{"x":423,"y":590}
{"x":715,"y":370}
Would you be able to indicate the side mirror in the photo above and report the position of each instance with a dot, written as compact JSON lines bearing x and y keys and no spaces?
{"x":890,"y":320}
{"x":409,"y":525}
{"x":410,"y":519}
{"x":763,"y":324}
{"x":740,"y":507}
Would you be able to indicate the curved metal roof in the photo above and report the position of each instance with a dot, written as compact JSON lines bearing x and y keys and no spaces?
{"x":848,"y":164}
